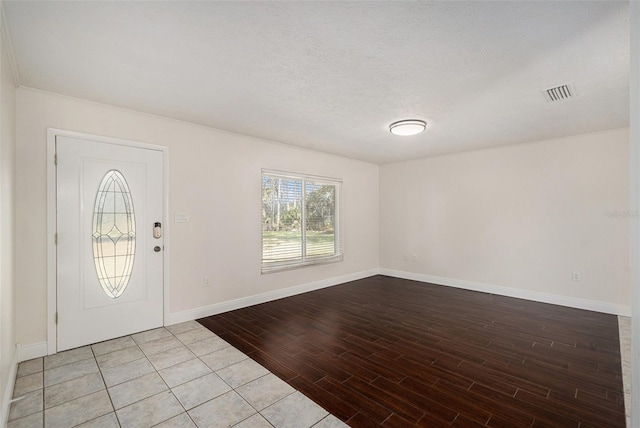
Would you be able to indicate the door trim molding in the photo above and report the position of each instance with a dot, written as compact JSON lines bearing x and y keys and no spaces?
{"x":52,"y":133}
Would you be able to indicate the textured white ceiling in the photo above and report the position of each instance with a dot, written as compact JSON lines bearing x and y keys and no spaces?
{"x":332,"y":76}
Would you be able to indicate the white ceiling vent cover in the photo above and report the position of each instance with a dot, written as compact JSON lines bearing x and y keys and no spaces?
{"x":559,"y":93}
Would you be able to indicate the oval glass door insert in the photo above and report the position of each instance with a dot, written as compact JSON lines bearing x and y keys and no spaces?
{"x":114,"y":234}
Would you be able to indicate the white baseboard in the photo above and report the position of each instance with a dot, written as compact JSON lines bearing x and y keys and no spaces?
{"x":573,"y":302}
{"x":8,"y":390}
{"x":34,"y":350}
{"x":535,"y":296}
{"x":218,"y":308}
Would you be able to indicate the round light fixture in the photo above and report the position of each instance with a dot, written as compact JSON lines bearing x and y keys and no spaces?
{"x":407,"y":127}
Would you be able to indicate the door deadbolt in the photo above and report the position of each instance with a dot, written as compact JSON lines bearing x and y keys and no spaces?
{"x":157,"y":230}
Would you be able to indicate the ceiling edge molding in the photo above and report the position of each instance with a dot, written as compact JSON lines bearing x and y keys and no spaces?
{"x":6,"y":38}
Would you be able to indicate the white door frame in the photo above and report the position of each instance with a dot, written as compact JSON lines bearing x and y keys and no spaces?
{"x":52,"y":133}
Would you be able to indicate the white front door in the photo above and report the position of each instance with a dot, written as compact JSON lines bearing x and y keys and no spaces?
{"x":109,"y":264}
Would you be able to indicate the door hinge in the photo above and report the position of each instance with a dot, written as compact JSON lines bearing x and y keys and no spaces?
{"x":55,"y":159}
{"x":56,"y":318}
{"x":55,"y":239}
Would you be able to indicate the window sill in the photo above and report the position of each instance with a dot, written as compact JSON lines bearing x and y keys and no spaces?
{"x":280,"y":267}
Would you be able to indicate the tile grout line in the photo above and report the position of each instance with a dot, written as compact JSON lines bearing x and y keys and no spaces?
{"x":105,"y":387}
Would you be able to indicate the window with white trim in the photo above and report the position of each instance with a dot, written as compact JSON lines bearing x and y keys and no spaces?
{"x":300,"y":220}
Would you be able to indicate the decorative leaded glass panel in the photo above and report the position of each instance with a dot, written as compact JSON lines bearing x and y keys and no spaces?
{"x":114,"y":234}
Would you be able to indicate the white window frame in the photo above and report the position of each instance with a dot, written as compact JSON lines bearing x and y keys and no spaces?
{"x":338,"y":240}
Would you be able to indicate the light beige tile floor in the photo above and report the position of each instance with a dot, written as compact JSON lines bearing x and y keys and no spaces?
{"x":179,"y":376}
{"x":624,"y":327}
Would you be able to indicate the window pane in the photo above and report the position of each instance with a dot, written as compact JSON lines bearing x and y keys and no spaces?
{"x":114,"y":234}
{"x":320,"y":203}
{"x":281,"y":219}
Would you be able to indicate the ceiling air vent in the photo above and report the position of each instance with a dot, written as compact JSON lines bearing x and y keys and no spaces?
{"x":559,"y":93}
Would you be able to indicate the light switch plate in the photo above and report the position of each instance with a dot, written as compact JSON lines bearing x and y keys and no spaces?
{"x":181,"y":217}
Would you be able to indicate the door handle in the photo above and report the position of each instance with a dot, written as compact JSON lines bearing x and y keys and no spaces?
{"x":157,"y":249}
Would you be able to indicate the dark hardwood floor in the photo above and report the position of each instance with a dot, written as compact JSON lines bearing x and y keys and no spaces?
{"x":383,"y":351}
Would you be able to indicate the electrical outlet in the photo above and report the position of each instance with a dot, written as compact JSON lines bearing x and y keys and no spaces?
{"x":405,"y":256}
{"x":207,"y":282}
{"x":414,"y":258}
{"x":576,"y":276}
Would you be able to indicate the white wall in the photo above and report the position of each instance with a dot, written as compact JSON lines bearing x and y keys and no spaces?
{"x":214,"y":178}
{"x":521,"y":217}
{"x":7,"y":205}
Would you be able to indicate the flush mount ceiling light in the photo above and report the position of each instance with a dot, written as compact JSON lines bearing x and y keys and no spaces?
{"x":407,"y":127}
